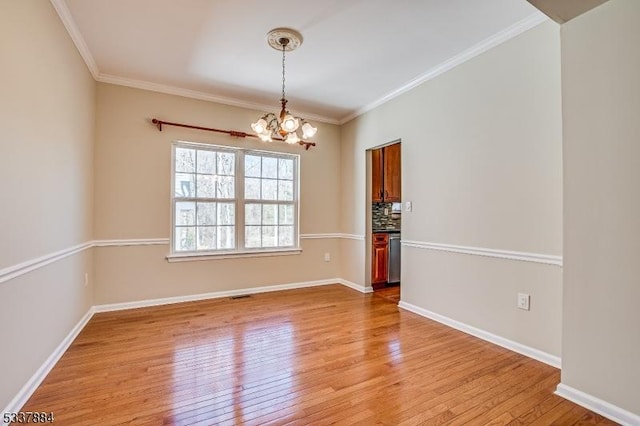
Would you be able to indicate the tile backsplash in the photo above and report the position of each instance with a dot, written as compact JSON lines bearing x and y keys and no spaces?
{"x":384,"y":221}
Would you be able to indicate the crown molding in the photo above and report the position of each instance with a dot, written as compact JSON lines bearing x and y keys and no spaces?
{"x":70,"y":24}
{"x":498,"y":38}
{"x":203,"y":96}
{"x":502,"y":36}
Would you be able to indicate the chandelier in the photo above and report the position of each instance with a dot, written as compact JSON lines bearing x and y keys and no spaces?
{"x":283,"y":126}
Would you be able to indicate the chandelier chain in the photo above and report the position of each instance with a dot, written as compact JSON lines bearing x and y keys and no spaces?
{"x":283,"y":56}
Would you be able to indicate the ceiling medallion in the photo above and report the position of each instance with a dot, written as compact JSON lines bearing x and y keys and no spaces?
{"x":277,"y":36}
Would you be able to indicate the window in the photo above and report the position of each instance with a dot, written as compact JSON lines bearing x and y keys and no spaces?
{"x":269,"y":201}
{"x":233,"y":200}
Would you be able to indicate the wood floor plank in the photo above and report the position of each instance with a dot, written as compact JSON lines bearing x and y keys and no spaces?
{"x":323,"y":355}
{"x":589,"y":418}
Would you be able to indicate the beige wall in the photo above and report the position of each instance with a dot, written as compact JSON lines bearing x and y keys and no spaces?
{"x":47,"y":119}
{"x":601,"y":103}
{"x":132,"y":199}
{"x":482,"y":165}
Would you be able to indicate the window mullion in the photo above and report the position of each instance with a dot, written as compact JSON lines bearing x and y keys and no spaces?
{"x":240,"y":201}
{"x":172,"y":215}
{"x":296,"y":203}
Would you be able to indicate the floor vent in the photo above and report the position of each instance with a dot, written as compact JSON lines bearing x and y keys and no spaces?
{"x":240,"y":296}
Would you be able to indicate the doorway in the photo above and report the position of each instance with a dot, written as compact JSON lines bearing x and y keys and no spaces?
{"x":385,"y":217}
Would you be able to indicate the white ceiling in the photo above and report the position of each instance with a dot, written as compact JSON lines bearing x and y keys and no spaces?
{"x":356,"y":54}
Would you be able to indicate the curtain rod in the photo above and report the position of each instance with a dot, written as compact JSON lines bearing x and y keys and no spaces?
{"x":233,"y":133}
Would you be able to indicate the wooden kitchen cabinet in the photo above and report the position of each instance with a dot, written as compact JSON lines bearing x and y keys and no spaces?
{"x":379,"y":259}
{"x":385,"y":174}
{"x":392,"y":185}
{"x":377,"y":172}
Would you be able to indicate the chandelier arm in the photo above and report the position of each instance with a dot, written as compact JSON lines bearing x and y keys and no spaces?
{"x":270,"y":122}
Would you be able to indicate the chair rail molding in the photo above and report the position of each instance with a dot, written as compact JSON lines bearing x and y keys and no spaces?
{"x":131,"y":242}
{"x":480,"y":251}
{"x":30,"y":265}
{"x":334,"y":235}
{"x":22,"y":268}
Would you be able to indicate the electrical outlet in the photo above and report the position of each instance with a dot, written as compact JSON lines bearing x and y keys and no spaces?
{"x":523,"y":301}
{"x":327,"y":257}
{"x":86,"y":279}
{"x":386,"y":211}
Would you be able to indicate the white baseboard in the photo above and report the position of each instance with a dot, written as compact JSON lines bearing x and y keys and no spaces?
{"x":213,"y":295}
{"x":597,"y":405}
{"x":32,"y":384}
{"x":530,"y":352}
{"x":358,"y":287}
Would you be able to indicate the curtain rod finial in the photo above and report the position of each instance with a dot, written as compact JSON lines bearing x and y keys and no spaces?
{"x":158,"y":123}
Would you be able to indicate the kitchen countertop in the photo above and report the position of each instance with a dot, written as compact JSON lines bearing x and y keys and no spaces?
{"x":385,"y":231}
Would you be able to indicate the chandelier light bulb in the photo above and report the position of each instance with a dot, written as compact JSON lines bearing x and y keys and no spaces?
{"x":259,"y":126}
{"x":292,"y":138}
{"x":289,"y":123}
{"x":265,"y":137}
{"x":308,"y":131}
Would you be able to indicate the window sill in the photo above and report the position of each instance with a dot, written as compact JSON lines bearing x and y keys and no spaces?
{"x":192,"y":257}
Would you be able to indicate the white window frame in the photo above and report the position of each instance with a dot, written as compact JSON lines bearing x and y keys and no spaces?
{"x":239,"y":202}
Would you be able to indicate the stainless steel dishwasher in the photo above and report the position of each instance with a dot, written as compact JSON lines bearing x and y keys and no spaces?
{"x":393,"y":270}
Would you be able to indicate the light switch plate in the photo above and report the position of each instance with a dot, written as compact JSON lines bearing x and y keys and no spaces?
{"x":408,"y":206}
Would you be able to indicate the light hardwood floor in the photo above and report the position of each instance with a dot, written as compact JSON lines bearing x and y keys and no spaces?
{"x":320,"y":355}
